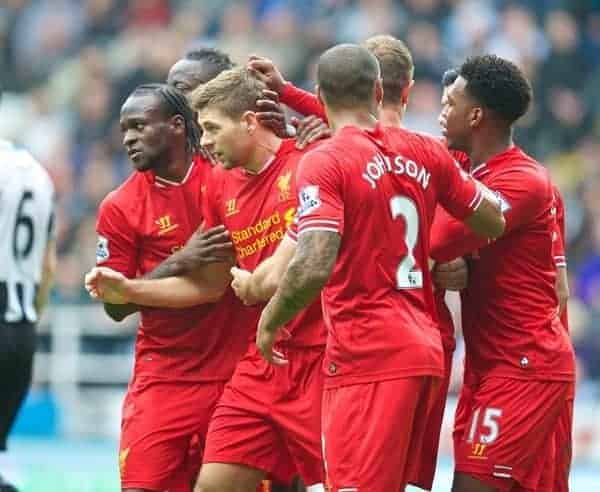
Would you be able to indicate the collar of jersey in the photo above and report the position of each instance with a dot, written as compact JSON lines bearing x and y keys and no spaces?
{"x":164,"y":183}
{"x":500,"y":158}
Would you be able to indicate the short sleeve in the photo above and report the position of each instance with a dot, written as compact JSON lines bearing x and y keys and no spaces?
{"x":523,"y":197}
{"x":211,"y":191}
{"x":456,"y":190}
{"x":117,"y":246}
{"x":320,"y":204}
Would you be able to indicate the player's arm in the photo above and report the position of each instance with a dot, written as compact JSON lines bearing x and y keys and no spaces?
{"x":522,"y":198}
{"x":487,"y":220}
{"x":196,"y":274}
{"x":305,"y":277}
{"x":562,"y":288}
{"x":452,"y":238}
{"x":262,"y":283}
{"x":203,"y":286}
{"x":202,"y":249}
{"x":299,"y":100}
{"x":472,"y":215}
{"x":320,"y":216}
{"x":559,"y":253}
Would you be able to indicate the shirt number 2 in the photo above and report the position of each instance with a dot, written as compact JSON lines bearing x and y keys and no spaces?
{"x":407,"y":276}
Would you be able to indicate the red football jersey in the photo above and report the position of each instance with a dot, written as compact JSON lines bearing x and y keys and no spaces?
{"x":307,"y":103}
{"x":257,"y":209}
{"x":379,"y":190}
{"x":139,"y":225}
{"x":509,"y":308}
{"x":445,"y":321}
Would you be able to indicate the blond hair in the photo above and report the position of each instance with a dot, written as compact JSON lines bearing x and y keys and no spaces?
{"x":233,"y":92}
{"x":395,"y":62}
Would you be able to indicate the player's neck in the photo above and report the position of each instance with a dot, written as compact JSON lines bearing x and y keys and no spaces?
{"x":266,"y":147}
{"x":176,"y":169}
{"x":361,"y":119}
{"x":391,"y":115}
{"x":488,"y":146}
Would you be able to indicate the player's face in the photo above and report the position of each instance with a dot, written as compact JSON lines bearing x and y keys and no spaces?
{"x":145,"y":130}
{"x":225,"y":138}
{"x":457,"y":108}
{"x":187,"y":75}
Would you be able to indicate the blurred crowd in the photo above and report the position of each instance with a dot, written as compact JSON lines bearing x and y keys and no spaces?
{"x":67,"y":66}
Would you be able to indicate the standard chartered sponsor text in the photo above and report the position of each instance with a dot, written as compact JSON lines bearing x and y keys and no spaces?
{"x":270,"y":231}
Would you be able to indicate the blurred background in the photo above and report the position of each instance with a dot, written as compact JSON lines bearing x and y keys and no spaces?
{"x":67,"y":65}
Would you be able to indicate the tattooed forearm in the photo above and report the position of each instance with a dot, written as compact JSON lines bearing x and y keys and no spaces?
{"x":305,"y":277}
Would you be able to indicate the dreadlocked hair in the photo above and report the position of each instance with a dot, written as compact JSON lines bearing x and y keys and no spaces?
{"x":174,"y":103}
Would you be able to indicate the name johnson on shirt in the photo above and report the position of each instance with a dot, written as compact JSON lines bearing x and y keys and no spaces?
{"x":381,"y":164}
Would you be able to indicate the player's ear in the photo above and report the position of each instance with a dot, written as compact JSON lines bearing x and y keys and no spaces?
{"x":476,"y":116}
{"x":406,"y":92}
{"x":178,"y":123}
{"x":249,"y":121}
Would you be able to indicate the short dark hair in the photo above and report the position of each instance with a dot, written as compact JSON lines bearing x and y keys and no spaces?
{"x":233,"y":92}
{"x":497,"y":84}
{"x":346,"y":75}
{"x":174,"y":103}
{"x":395,"y":62}
{"x":219,"y":59}
{"x":449,"y":77}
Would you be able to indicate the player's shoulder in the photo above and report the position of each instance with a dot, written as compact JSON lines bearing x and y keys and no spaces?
{"x":320,"y":157}
{"x":17,"y":160}
{"x":518,"y":166}
{"x":418,"y":145}
{"x":127,"y":194}
{"x":347,"y":143}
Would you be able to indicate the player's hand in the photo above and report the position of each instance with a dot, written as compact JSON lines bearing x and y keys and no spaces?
{"x":453,"y":275}
{"x":271,"y":114}
{"x":309,"y":129}
{"x":107,"y":285}
{"x":265,"y":340}
{"x":241,"y":286}
{"x":206,"y":246}
{"x":265,"y":70}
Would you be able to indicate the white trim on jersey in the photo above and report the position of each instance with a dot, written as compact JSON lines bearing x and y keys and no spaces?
{"x":163,"y":182}
{"x":312,"y":229}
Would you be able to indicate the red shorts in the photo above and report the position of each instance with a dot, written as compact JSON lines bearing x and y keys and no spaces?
{"x":507,"y":429}
{"x":556,"y":473}
{"x":163,"y":431}
{"x":371,"y":430}
{"x":431,"y":440}
{"x":269,"y":417}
